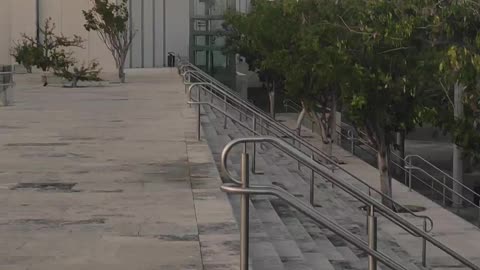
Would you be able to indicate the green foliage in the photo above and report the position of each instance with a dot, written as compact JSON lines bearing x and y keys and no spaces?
{"x":260,"y":36}
{"x":25,"y":53}
{"x":391,"y":64}
{"x":74,"y":73}
{"x":107,"y":17}
{"x":51,"y":52}
{"x":110,"y":21}
{"x":52,"y":47}
{"x":456,"y":45}
{"x":382,"y":95}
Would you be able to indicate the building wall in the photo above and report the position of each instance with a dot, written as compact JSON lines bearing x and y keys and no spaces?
{"x":161,"y":26}
{"x":68,"y":18}
{"x":5,"y":30}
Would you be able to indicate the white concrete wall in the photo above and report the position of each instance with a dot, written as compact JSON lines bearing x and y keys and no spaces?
{"x":161,"y":26}
{"x":68,"y":18}
{"x":19,"y":16}
{"x":23,"y":19}
{"x":178,"y":26}
{"x":5,"y":33}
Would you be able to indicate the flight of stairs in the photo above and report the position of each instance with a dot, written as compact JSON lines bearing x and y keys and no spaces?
{"x":281,"y":238}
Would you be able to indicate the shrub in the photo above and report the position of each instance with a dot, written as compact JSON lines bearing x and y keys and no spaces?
{"x":74,"y":73}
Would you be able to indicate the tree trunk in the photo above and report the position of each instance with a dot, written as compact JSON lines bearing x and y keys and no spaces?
{"x":74,"y":83}
{"x":401,"y":153}
{"x":121,"y":74}
{"x":271,"y":95}
{"x":457,"y":150}
{"x":332,"y":125}
{"x":383,"y":158}
{"x":45,"y":79}
{"x":300,"y":118}
{"x":325,"y":134}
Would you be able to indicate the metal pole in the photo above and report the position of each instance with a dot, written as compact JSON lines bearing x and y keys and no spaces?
{"x":198,"y":114}
{"x":312,"y":186}
{"x":444,"y":194}
{"x":372,"y":236}
{"x":254,"y":155}
{"x":352,"y":142}
{"x":299,"y":144}
{"x":457,"y":172}
{"x":424,"y":245}
{"x":409,"y":177}
{"x":225,"y":109}
{"x":244,"y":215}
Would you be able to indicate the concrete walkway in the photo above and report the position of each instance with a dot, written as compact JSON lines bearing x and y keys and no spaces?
{"x":110,"y":178}
{"x":449,"y":228}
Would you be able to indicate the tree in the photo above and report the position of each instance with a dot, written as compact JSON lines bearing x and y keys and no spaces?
{"x":456,"y":44}
{"x":315,"y":64}
{"x":110,"y":21}
{"x":259,"y":36}
{"x":24,"y":52}
{"x":50,"y":52}
{"x":383,"y":96}
{"x":74,"y":73}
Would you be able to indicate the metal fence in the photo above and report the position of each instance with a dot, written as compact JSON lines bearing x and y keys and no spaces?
{"x":7,"y":84}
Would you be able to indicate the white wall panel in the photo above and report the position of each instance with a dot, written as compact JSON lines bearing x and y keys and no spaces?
{"x":148,"y":33}
{"x":136,"y":50}
{"x":159,"y":34}
{"x":5,"y":36}
{"x":178,"y":26}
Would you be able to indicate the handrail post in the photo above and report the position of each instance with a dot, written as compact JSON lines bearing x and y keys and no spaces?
{"x":352,"y":142}
{"x":199,"y":124}
{"x":225,"y":107}
{"x":424,"y":245}
{"x":254,"y":154}
{"x":312,"y":184}
{"x":410,"y":176}
{"x":299,"y":132}
{"x":444,"y":193}
{"x":244,"y":215}
{"x":372,"y":236}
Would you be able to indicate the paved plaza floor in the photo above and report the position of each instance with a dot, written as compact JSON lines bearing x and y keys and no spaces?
{"x":109,"y":177}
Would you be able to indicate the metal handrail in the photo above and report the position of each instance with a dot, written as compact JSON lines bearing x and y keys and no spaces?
{"x":408,"y":160}
{"x":442,"y":184}
{"x":310,"y":147}
{"x":408,"y":167}
{"x":297,"y":108}
{"x":5,"y":86}
{"x":316,"y":216}
{"x":307,"y":161}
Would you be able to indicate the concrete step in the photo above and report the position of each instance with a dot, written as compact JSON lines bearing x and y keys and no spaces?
{"x":298,"y":242}
{"x":263,"y":255}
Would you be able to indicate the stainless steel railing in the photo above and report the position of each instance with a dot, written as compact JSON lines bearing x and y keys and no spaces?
{"x":427,"y":222}
{"x":442,"y":187}
{"x":457,"y":198}
{"x":265,"y":123}
{"x":243,"y":187}
{"x":6,"y":82}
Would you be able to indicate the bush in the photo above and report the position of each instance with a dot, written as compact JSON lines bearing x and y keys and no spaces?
{"x":51,"y":53}
{"x":75,"y":74}
{"x":25,"y":53}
